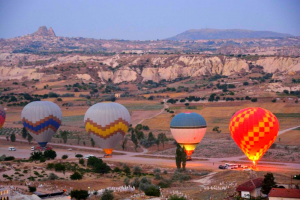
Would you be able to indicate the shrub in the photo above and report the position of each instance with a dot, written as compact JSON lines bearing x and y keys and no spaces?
{"x":137,"y":170}
{"x":145,"y":183}
{"x":165,"y":172}
{"x":76,"y":176}
{"x":81,"y":161}
{"x":42,"y":159}
{"x":126,"y":170}
{"x":156,"y":170}
{"x":177,"y":176}
{"x":79,"y":194}
{"x":107,"y":195}
{"x":8,"y":158}
{"x":274,"y":100}
{"x":64,"y":156}
{"x":32,"y":188}
{"x":254,"y":99}
{"x":135,"y":182}
{"x":164,"y":184}
{"x":78,"y":155}
{"x":36,"y":155}
{"x":126,"y":181}
{"x":52,"y":176}
{"x":50,"y":154}
{"x":59,"y":167}
{"x":153,"y":190}
{"x":117,"y":170}
{"x":50,"y":166}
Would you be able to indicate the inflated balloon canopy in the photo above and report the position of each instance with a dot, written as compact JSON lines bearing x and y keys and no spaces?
{"x":2,"y":116}
{"x":254,"y":130}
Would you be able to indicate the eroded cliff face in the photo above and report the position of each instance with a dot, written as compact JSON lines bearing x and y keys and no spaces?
{"x":121,"y":68}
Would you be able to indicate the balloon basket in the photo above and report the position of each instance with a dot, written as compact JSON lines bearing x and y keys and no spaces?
{"x":107,"y":156}
{"x":188,"y":158}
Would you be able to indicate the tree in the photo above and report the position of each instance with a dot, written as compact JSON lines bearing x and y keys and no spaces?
{"x":64,"y":135}
{"x":151,"y":137}
{"x":126,"y":170}
{"x":64,"y":157}
{"x":178,"y":157}
{"x":107,"y":195}
{"x":79,"y":194}
{"x":124,"y":143}
{"x":157,"y":143}
{"x":13,"y":137}
{"x":268,"y":183}
{"x":76,"y":176}
{"x":50,"y":154}
{"x":78,"y":140}
{"x":81,"y":161}
{"x":32,"y":188}
{"x":24,"y":132}
{"x":29,"y":138}
{"x":92,"y":142}
{"x":134,"y":140}
{"x":36,"y":155}
{"x":183,"y":158}
{"x":162,"y":138}
{"x":246,"y":83}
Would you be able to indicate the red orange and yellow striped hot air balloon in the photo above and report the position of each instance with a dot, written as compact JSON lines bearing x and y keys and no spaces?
{"x":254,"y":130}
{"x":107,"y":123}
{"x":2,"y":116}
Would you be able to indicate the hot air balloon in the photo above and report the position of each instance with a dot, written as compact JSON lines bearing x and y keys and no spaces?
{"x":41,"y":119}
{"x":107,"y":123}
{"x":254,"y":130}
{"x":188,"y":130}
{"x":2,"y":116}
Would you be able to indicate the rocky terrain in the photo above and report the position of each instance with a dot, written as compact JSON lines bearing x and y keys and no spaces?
{"x":45,"y":41}
{"x":206,"y":34}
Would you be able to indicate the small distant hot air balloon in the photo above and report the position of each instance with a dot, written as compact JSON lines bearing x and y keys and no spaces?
{"x":254,"y":130}
{"x":188,"y":130}
{"x":2,"y":116}
{"x":107,"y":123}
{"x":41,"y":119}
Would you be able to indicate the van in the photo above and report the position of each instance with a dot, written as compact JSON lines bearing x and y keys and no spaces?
{"x":32,"y":148}
{"x":12,"y":149}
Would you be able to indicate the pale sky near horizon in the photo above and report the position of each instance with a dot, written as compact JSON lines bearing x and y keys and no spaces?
{"x":145,"y":20}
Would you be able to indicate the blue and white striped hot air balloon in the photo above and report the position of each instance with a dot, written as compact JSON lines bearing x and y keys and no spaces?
{"x":41,"y":119}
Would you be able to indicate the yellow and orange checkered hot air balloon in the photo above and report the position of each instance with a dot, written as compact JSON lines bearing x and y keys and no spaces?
{"x":254,"y":130}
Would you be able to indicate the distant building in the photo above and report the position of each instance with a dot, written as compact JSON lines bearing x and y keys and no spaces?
{"x":250,"y":188}
{"x":4,"y":193}
{"x":284,"y":194}
{"x":118,"y":95}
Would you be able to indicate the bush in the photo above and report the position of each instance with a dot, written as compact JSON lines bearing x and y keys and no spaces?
{"x":157,"y":176}
{"x":79,"y":194}
{"x":153,"y":190}
{"x":42,"y":159}
{"x":107,"y":195}
{"x":81,"y":161}
{"x":145,"y":183}
{"x":137,"y":170}
{"x":78,"y":155}
{"x":36,"y":155}
{"x":254,"y":99}
{"x":8,"y":158}
{"x":32,"y":188}
{"x":64,"y":156}
{"x":274,"y":100}
{"x":50,"y":166}
{"x":177,"y":176}
{"x":50,"y":154}
{"x":165,"y":172}
{"x":164,"y":184}
{"x":59,"y":167}
{"x":126,"y":170}
{"x":52,"y":176}
{"x":135,"y":182}
{"x":156,"y":170}
{"x":117,"y":170}
{"x":175,"y":197}
{"x":76,"y":176}
{"x":126,"y":181}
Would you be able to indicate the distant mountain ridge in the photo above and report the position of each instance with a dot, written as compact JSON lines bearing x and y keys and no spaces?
{"x":207,"y":34}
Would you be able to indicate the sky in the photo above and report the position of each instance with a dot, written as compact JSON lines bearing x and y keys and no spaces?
{"x":145,"y":19}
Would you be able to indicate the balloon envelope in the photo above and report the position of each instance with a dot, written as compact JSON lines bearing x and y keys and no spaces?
{"x":2,"y":116}
{"x":254,"y":130}
{"x":188,"y":129}
{"x":41,"y":119}
{"x":107,"y":124}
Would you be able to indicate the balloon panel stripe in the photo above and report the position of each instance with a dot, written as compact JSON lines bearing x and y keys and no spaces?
{"x":42,"y":125}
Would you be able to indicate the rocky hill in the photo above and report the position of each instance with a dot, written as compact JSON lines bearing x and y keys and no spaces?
{"x":44,"y":32}
{"x":208,"y":34}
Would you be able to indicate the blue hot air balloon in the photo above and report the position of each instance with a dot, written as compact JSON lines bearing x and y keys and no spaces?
{"x":41,"y":119}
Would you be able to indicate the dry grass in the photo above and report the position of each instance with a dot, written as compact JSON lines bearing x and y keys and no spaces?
{"x":289,"y":138}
